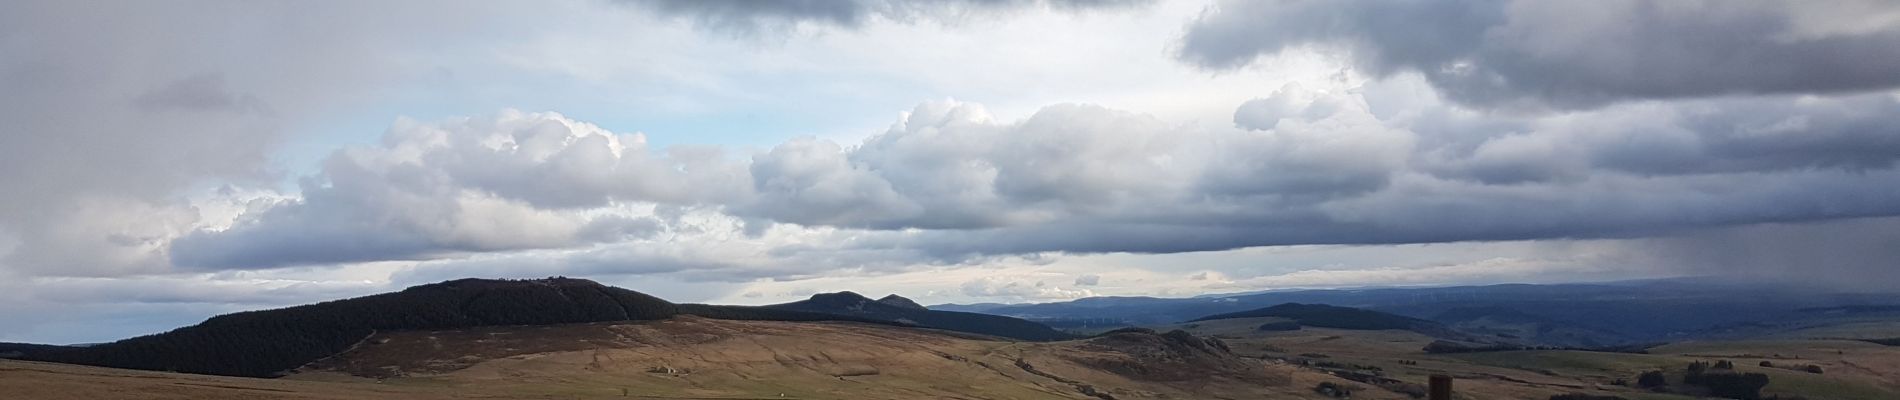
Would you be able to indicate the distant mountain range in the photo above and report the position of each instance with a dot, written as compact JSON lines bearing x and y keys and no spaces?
{"x":1558,"y":314}
{"x":1327,"y":316}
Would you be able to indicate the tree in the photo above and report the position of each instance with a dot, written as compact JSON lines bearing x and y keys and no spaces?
{"x":1696,"y":368}
{"x":1731,"y":385}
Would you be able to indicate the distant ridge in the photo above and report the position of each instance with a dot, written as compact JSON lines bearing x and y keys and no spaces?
{"x":16,"y":350}
{"x":855,"y":305}
{"x":1329,"y":316}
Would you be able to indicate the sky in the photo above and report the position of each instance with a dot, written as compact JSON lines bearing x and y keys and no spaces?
{"x":163,"y":162}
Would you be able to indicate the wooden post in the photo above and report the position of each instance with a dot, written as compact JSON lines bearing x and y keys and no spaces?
{"x":1441,"y":387}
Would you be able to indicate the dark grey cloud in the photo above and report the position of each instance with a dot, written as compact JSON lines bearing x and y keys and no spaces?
{"x":201,"y":93}
{"x":1840,"y":255}
{"x":950,"y":184}
{"x":1329,"y":169}
{"x":1494,"y":53}
{"x":757,"y":16}
{"x":1715,"y":136}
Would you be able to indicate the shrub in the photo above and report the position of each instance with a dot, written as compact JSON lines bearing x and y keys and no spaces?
{"x":1651,"y":379}
{"x":1335,"y":390}
{"x":1696,"y":368}
{"x":1730,"y":385}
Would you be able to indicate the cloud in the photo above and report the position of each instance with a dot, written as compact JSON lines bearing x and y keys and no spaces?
{"x":1088,"y":280}
{"x":201,"y":93}
{"x":1840,"y":255}
{"x":993,"y":287}
{"x":781,"y":16}
{"x":1836,"y":255}
{"x":1402,"y":159}
{"x":515,"y":181}
{"x":1503,"y":53}
{"x":1214,"y":276}
{"x":949,"y":183}
{"x":950,"y":165}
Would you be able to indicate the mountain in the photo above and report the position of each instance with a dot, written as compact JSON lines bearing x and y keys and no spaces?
{"x":900,"y":301}
{"x":855,"y":305}
{"x":975,"y":307}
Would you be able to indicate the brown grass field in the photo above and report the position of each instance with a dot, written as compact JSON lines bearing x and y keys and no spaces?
{"x":694,"y":358}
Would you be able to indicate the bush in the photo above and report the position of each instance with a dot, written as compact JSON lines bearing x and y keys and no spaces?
{"x":1651,"y":379}
{"x":1334,"y":390}
{"x":1730,"y":385}
{"x":1698,"y":367}
{"x":1768,"y":364}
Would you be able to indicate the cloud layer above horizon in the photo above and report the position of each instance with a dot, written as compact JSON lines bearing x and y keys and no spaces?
{"x":970,"y":151}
